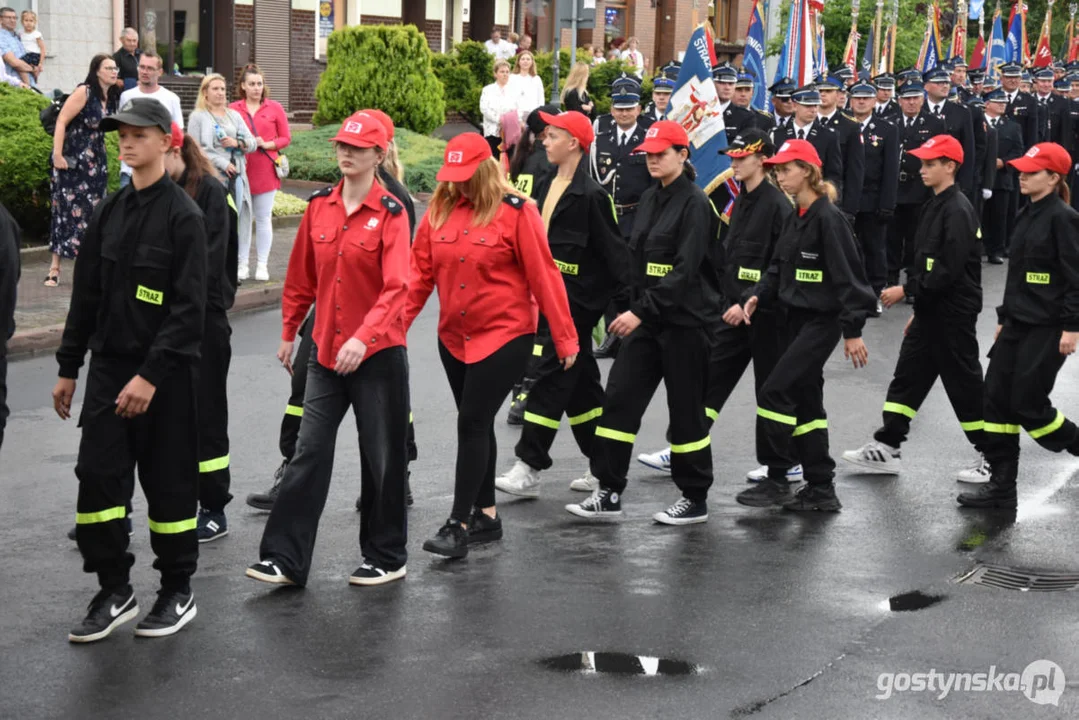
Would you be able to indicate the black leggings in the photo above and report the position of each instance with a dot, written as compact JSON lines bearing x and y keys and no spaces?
{"x":479,"y":390}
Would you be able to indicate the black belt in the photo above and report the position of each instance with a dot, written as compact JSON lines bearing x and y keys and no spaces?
{"x":623,"y":209}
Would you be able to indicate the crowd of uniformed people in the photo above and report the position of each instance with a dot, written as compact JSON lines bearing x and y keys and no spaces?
{"x":855,"y":195}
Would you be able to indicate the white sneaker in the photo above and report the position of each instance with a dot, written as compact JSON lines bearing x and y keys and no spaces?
{"x":262,"y":273}
{"x":977,"y":473}
{"x":793,"y":475}
{"x":659,"y":460}
{"x":585,"y":483}
{"x":875,"y":456}
{"x":522,"y":479}
{"x":242,"y":272}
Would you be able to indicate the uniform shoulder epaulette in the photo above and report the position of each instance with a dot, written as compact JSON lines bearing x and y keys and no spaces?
{"x":324,"y":192}
{"x":391,"y":204}
{"x":763,"y":112}
{"x":514,"y":201}
{"x":848,"y":116}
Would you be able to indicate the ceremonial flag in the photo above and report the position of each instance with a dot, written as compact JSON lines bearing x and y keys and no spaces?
{"x":867,"y":56}
{"x":796,"y":58}
{"x":1043,"y":54}
{"x":1073,"y":46}
{"x":977,"y":59}
{"x":929,"y":56}
{"x":850,"y":54}
{"x":998,"y":51}
{"x":753,"y":57}
{"x":886,"y":50}
{"x":958,"y":45}
{"x":1017,"y":49}
{"x":976,"y":8}
{"x":820,"y":62}
{"x":1066,"y":43}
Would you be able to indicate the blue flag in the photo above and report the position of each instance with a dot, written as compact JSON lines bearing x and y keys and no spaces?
{"x":997,"y":53}
{"x":867,"y":56}
{"x":753,"y":58}
{"x":1013,"y":44}
{"x":976,"y":9}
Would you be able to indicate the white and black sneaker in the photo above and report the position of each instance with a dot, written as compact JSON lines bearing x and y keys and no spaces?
{"x":586,"y":483}
{"x":876,"y":457}
{"x":268,"y":572}
{"x":603,"y":502}
{"x":757,"y":475}
{"x":683,"y":512}
{"x":110,"y":608}
{"x":977,"y":474}
{"x":371,"y":574}
{"x":173,"y":610}
{"x":658,"y":460}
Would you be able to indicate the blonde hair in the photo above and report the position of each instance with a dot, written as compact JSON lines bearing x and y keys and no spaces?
{"x":485,"y":189}
{"x":517,"y":63}
{"x":816,"y":181}
{"x":499,"y":64}
{"x":392,"y":162}
{"x":200,"y":102}
{"x":577,"y":80}
{"x":29,"y":14}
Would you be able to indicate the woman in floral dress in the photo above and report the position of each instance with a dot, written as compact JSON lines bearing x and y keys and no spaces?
{"x":80,"y":166}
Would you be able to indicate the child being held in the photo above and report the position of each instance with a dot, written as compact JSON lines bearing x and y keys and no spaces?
{"x":34,"y":45}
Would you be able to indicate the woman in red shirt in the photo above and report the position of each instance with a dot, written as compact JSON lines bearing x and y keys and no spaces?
{"x":266,"y":120}
{"x":351,"y":254}
{"x":483,"y":244}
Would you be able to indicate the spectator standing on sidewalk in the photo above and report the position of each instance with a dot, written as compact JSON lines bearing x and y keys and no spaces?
{"x":497,"y":99}
{"x":127,"y":59}
{"x":11,"y":49}
{"x":150,"y":69}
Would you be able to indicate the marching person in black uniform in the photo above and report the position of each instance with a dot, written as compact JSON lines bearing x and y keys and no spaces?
{"x":662,"y":87}
{"x":743,"y":98}
{"x":667,"y":333}
{"x":915,"y":128}
{"x":850,"y":143}
{"x":529,"y":161}
{"x":1038,"y":327}
{"x":806,"y":125}
{"x":957,"y":123}
{"x":940,"y":339}
{"x":138,"y":304}
{"x":816,"y":278}
{"x":594,"y":261}
{"x":886,"y":107}
{"x":1009,"y":139}
{"x":725,"y":78}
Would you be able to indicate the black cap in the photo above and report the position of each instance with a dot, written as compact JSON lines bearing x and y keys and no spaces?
{"x":535,"y":122}
{"x":140,"y":112}
{"x":750,"y":141}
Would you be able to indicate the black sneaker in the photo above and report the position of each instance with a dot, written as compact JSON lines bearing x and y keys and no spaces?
{"x":211,"y":526}
{"x":268,"y":572}
{"x":990,"y":495}
{"x":683,"y":512}
{"x":450,"y":541}
{"x":766,"y":493}
{"x":127,"y":523}
{"x":109,"y":609}
{"x":372,"y":574}
{"x":483,"y":528}
{"x":603,"y":502}
{"x":818,"y":497}
{"x":265,"y":501}
{"x":170,"y":613}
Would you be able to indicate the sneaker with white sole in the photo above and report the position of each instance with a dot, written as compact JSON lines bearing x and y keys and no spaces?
{"x":586,"y":483}
{"x":109,"y":609}
{"x":522,"y":479}
{"x":794,"y":475}
{"x":173,"y":610}
{"x":211,"y":526}
{"x":268,"y":572}
{"x":683,"y":512}
{"x":262,"y":273}
{"x":875,"y":456}
{"x":603,"y":502}
{"x":659,"y":460}
{"x":977,"y":474}
{"x":371,"y":574}
{"x":243,"y":272}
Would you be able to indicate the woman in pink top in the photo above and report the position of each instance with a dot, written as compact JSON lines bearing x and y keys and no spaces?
{"x":266,"y":120}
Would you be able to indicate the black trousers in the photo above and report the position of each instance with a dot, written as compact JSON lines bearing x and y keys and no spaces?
{"x":3,"y":391}
{"x":377,"y":392}
{"x":576,"y":392}
{"x":792,"y":425}
{"x":996,"y":223}
{"x":732,"y":351}
{"x":936,"y":347}
{"x":872,"y":236}
{"x":679,"y":357}
{"x":901,"y":240}
{"x":162,"y":444}
{"x":213,"y":400}
{"x":479,"y":389}
{"x":1023,"y":366}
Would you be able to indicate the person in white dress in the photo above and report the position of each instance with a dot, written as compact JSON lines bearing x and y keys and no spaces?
{"x":632,"y":58}
{"x":497,"y":99}
{"x":528,"y":84}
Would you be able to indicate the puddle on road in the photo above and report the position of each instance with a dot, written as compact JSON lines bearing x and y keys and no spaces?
{"x":910,"y":601}
{"x":612,"y":663}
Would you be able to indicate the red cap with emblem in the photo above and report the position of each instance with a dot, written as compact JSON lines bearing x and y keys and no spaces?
{"x":939,"y":146}
{"x":361,"y":130}
{"x":1044,"y":156}
{"x":662,"y":135}
{"x":383,"y":118}
{"x":463,"y":155}
{"x":573,"y":122}
{"x":793,"y":150}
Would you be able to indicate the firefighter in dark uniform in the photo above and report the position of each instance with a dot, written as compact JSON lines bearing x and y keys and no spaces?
{"x":976,"y":87}
{"x":725,"y":78}
{"x":1021,"y":105}
{"x":957,"y":68}
{"x":886,"y":108}
{"x":588,"y":249}
{"x":851,"y":145}
{"x":626,"y":84}
{"x":816,"y":278}
{"x":957,"y":123}
{"x":138,"y":304}
{"x":806,"y":125}
{"x":1062,"y":88}
{"x":1038,"y":326}
{"x":916,"y":126}
{"x":985,"y":149}
{"x":782,"y":103}
{"x":1070,"y":131}
{"x":940,"y":339}
{"x":662,"y":86}
{"x":743,"y":97}
{"x":668,"y":333}
{"x":1009,"y":141}
{"x":1051,"y":107}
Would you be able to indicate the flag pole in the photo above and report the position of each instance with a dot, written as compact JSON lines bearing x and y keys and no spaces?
{"x":891,"y":40}
{"x":877,"y":22}
{"x":959,"y":47}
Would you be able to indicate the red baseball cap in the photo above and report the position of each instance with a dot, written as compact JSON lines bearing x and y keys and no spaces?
{"x":1044,"y":156}
{"x":662,"y":135}
{"x":463,"y":155}
{"x":361,"y":130}
{"x":383,"y":118}
{"x":177,"y":135}
{"x":573,"y":122}
{"x":793,"y":150}
{"x":939,"y":146}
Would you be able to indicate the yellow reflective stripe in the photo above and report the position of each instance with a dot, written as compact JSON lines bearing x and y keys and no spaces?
{"x":567,"y":268}
{"x":1001,"y":429}
{"x":113,"y":513}
{"x":537,"y":350}
{"x":1038,"y":278}
{"x":524,"y":183}
{"x":929,"y":264}
{"x":296,"y":410}
{"x":586,"y":416}
{"x":712,"y":414}
{"x":691,"y":447}
{"x":614,"y":211}
{"x":821,"y":424}
{"x":409,"y":414}
{"x":209,"y":466}
{"x":778,"y":417}
{"x":749,"y":274}
{"x":540,"y":420}
{"x":657,"y":269}
{"x":809,"y":275}
{"x":154,"y":297}
{"x":900,"y":409}
{"x":173,"y":528}
{"x":1051,"y":427}
{"x":615,"y":435}
{"x":972,"y":425}
{"x":232,"y":203}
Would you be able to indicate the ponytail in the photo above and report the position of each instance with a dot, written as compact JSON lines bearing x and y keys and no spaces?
{"x":1062,"y":189}
{"x":687,"y":167}
{"x":197,"y":164}
{"x":817,"y":183}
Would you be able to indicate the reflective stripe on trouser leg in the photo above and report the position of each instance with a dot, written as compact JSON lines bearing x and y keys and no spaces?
{"x":214,"y":464}
{"x":215,"y":477}
{"x":913,"y":378}
{"x":173,"y":528}
{"x":686,"y":356}
{"x":102,"y":516}
{"x":290,"y":423}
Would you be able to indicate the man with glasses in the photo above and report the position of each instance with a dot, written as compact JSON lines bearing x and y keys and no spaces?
{"x":11,"y":49}
{"x":150,"y":69}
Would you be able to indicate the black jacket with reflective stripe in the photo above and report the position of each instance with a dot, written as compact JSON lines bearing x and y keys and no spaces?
{"x":946,"y":278}
{"x":757,"y":219}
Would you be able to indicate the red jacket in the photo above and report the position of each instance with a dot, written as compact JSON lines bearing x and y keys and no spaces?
{"x":271,"y":124}
{"x":356,"y":266}
{"x":486,"y":278}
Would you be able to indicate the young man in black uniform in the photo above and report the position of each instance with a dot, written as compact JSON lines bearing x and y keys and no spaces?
{"x":886,"y":107}
{"x":957,"y":67}
{"x":138,"y":304}
{"x":1021,"y":105}
{"x":940,"y":339}
{"x":782,"y":90}
{"x":1050,"y":107}
{"x":957,"y":123}
{"x":850,"y":144}
{"x":725,"y":78}
{"x":9,"y":281}
{"x":662,"y":88}
{"x":806,"y":125}
{"x":594,"y":261}
{"x":743,"y":98}
{"x":1009,"y":141}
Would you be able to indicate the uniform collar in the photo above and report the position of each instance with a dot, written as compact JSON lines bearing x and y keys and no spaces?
{"x":677,"y":187}
{"x":150,"y":193}
{"x":373,"y":199}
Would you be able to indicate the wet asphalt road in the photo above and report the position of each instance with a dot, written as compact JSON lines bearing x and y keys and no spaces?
{"x":782,"y":614}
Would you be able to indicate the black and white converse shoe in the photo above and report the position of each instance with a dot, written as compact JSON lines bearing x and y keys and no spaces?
{"x":110,"y":608}
{"x":371,"y":574}
{"x":268,"y":572}
{"x":173,"y":610}
{"x":603,"y":502}
{"x":683,"y":512}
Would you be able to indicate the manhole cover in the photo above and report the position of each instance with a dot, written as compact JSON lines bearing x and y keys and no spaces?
{"x":1000,"y":576}
{"x":911,"y":601}
{"x":614,"y":663}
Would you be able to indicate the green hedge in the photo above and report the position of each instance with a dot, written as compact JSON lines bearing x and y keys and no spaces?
{"x":380,"y":66}
{"x":463,"y":74}
{"x":24,"y":160}
{"x":311,"y":157}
